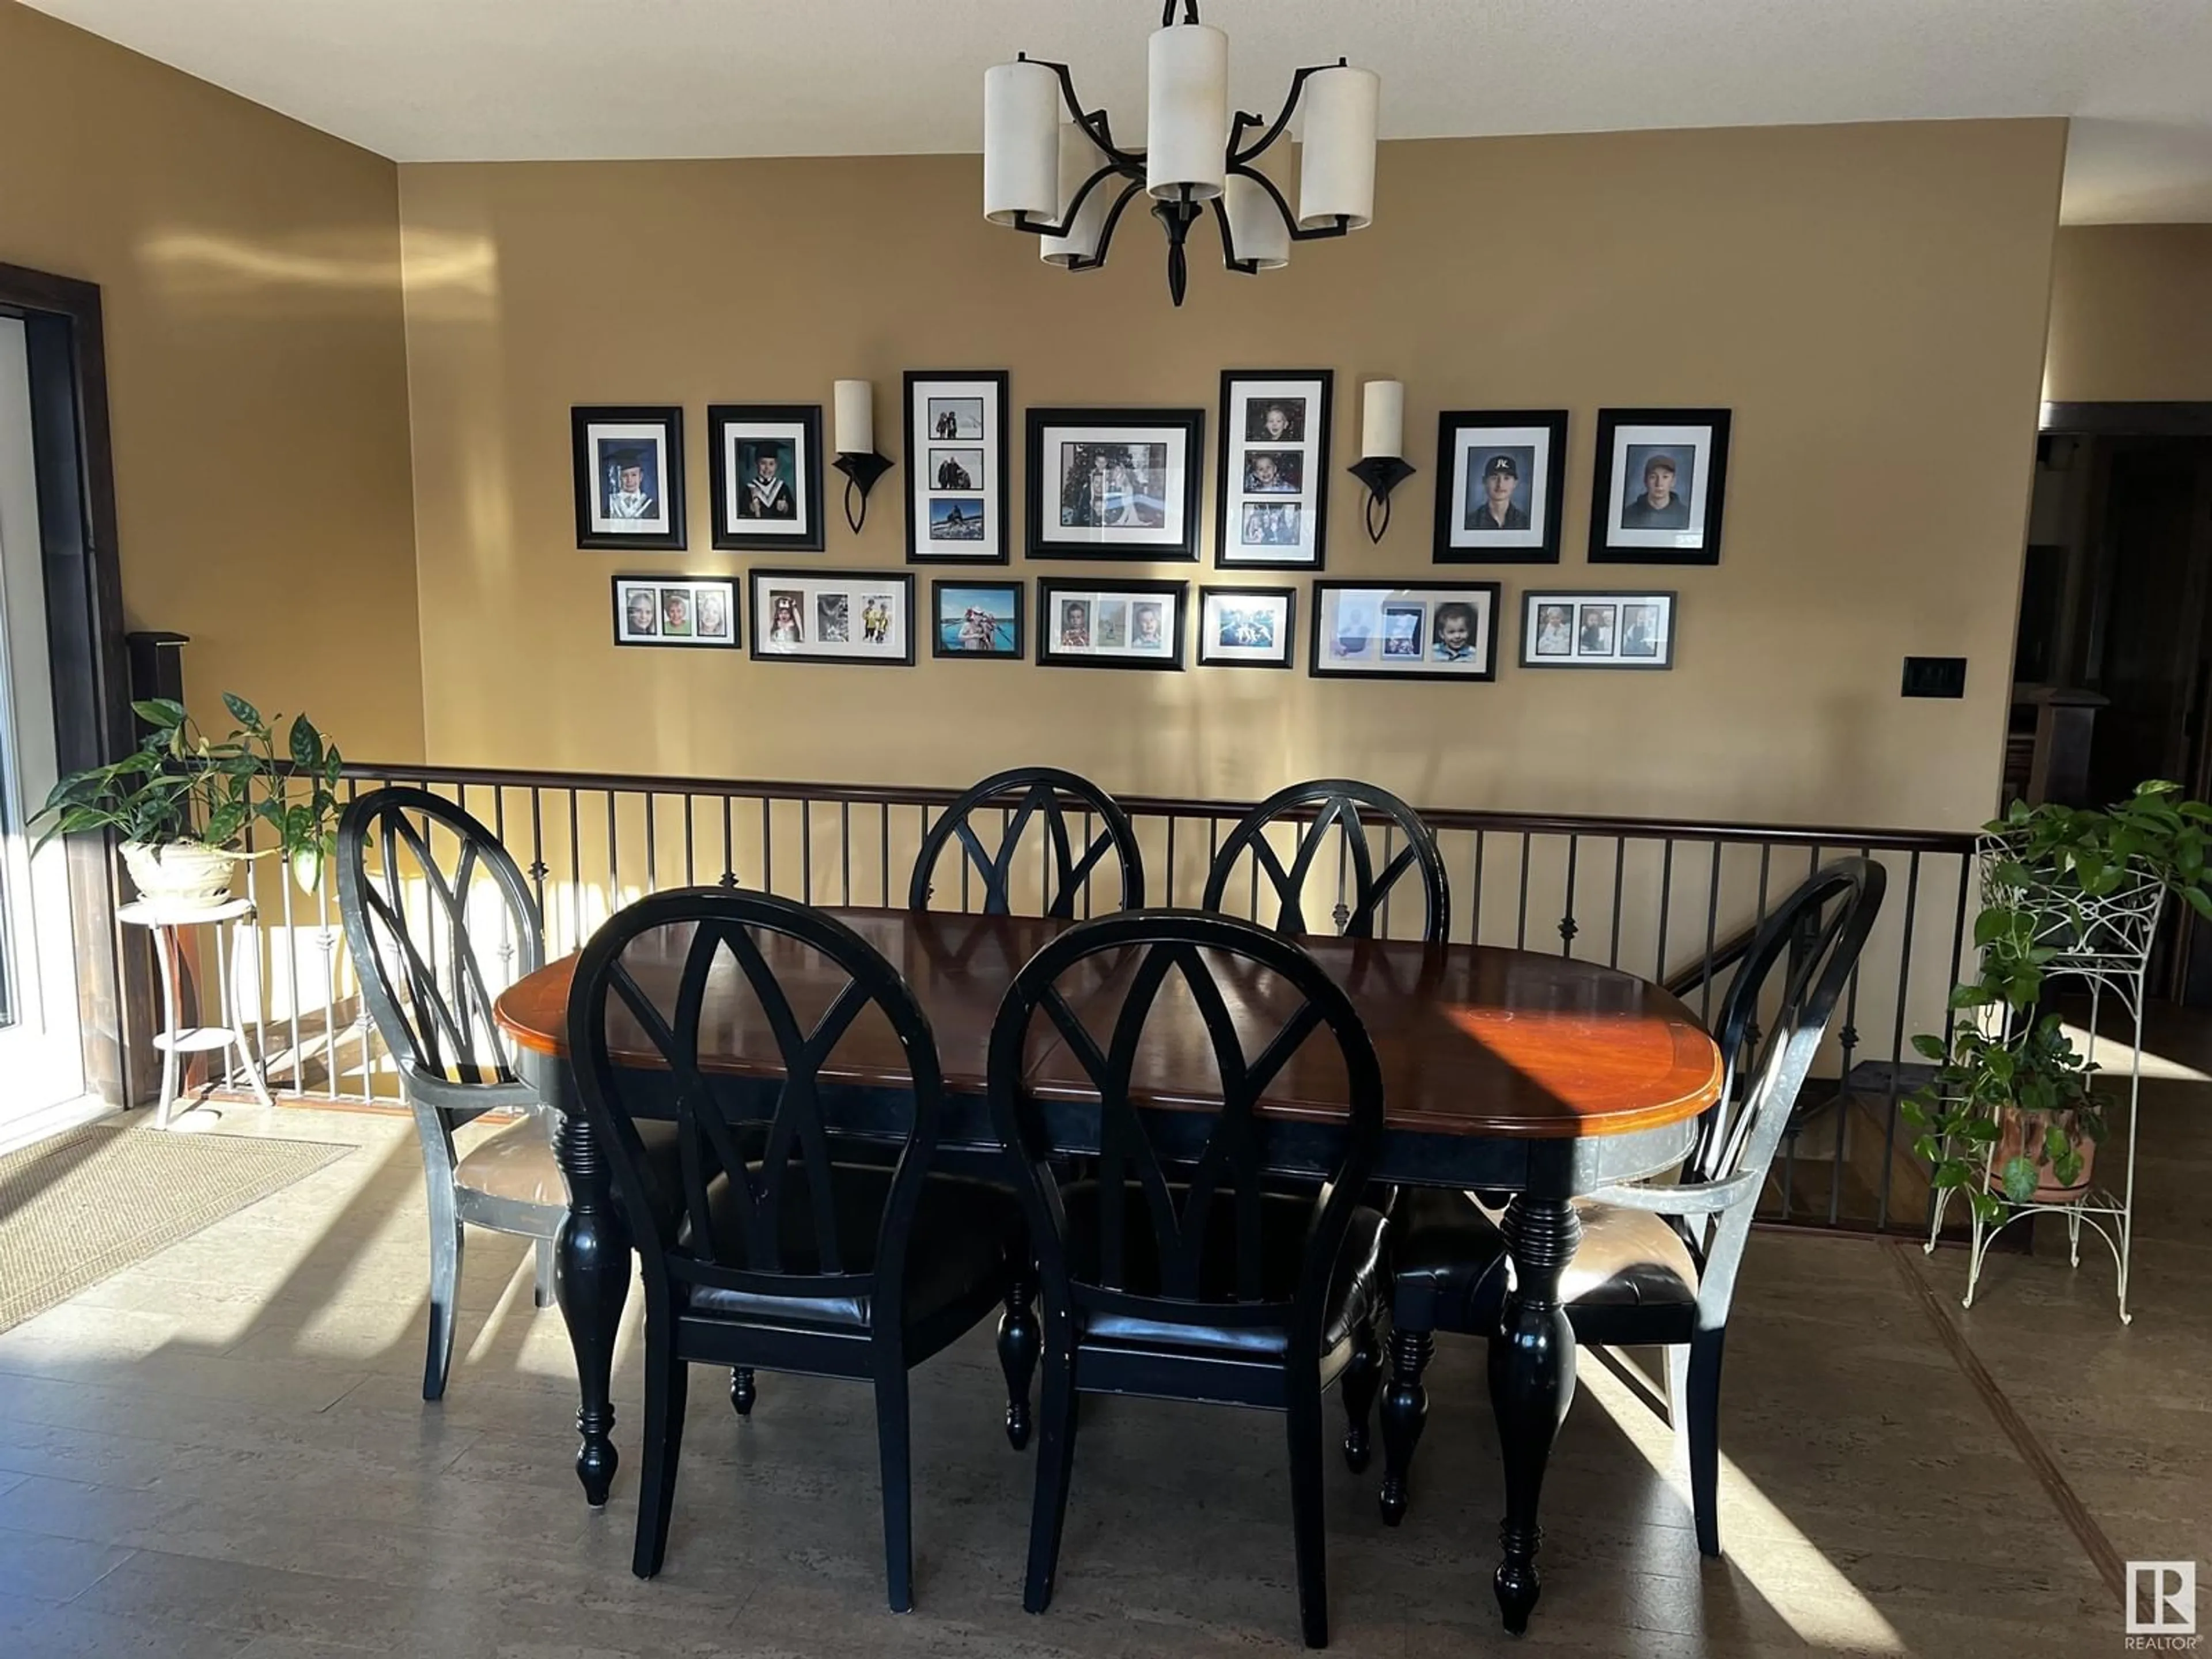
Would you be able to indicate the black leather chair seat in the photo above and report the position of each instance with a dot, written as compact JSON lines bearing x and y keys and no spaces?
{"x":1451,"y":1264}
{"x":955,"y":1254}
{"x":1354,"y":1290}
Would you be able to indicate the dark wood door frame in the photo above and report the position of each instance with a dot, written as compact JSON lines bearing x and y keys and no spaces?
{"x":2143,"y":420}
{"x":74,"y":467}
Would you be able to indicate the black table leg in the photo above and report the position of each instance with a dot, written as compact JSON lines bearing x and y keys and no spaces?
{"x":1532,"y":1381}
{"x":590,"y":1281}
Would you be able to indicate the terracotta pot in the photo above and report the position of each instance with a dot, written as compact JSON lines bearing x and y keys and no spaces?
{"x":182,"y":872}
{"x":2013,"y":1137}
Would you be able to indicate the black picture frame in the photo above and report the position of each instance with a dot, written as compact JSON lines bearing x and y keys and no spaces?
{"x":1312,"y":444}
{"x":995,"y":440}
{"x":806,"y":579}
{"x":1053,"y":590}
{"x":724,"y":420}
{"x":1285,"y":636}
{"x":1018,"y":589}
{"x":1607,"y":488}
{"x":584,"y":424}
{"x":1318,"y":663}
{"x":1187,"y":424}
{"x":1456,"y":461}
{"x":731,"y":637}
{"x":1614,"y":657}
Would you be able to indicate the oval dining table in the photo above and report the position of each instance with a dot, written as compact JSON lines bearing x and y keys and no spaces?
{"x":1508,"y":1072}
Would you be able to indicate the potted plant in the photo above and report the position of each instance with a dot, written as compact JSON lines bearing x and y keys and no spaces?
{"x":2073,"y":887}
{"x":180,"y":800}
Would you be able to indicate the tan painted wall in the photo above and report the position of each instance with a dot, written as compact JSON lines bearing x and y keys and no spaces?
{"x":249,"y":272}
{"x":1870,"y":301}
{"x":2132,"y":314}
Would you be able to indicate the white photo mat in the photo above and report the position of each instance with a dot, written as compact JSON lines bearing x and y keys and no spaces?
{"x":1562,"y":628}
{"x":677,"y":611}
{"x":952,"y":521}
{"x":1134,"y":626}
{"x":1472,"y":450}
{"x":1278,"y":527}
{"x":1142,"y":495}
{"x":1247,"y":627}
{"x":1689,"y":444}
{"x":799,"y":527}
{"x":845,"y":615}
{"x":1441,"y":630}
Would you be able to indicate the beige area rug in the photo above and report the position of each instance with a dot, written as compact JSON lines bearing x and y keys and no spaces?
{"x":89,"y":1203}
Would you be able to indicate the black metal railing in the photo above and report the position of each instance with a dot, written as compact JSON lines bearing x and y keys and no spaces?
{"x":1670,"y":900}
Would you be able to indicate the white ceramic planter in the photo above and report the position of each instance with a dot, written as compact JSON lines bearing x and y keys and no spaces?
{"x":182,"y":872}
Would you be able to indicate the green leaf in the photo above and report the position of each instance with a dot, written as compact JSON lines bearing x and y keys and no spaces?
{"x":1929,"y":1046}
{"x":1947,"y":1175}
{"x":223,"y":824}
{"x":2019,"y":1177}
{"x":2198,"y":901}
{"x":240,"y":710}
{"x":306,"y":744}
{"x":2056,"y":1146}
{"x":160,"y":713}
{"x":1986,"y":1209}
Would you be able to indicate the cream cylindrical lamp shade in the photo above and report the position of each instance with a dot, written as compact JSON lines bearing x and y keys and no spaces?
{"x":1021,"y":143}
{"x":1257,"y":230}
{"x":1336,"y":177}
{"x":856,"y":417}
{"x":1187,"y":114}
{"x":1383,"y":419}
{"x":1079,"y":157}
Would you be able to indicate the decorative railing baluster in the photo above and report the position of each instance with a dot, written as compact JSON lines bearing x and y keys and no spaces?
{"x":1620,"y":872}
{"x":1897,"y":1033}
{"x":1568,"y":927}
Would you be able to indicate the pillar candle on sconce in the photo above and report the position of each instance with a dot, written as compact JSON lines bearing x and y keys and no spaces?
{"x":1381,"y":467}
{"x":857,"y":458}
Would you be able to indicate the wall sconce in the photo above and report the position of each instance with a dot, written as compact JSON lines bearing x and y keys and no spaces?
{"x":1383,"y":434}
{"x":856,"y":446}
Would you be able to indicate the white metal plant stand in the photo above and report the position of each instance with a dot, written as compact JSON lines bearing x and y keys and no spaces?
{"x":167,"y":922}
{"x":2106,"y":943}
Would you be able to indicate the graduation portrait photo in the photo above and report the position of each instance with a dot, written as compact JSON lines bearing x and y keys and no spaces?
{"x":629,"y":467}
{"x":766,"y":466}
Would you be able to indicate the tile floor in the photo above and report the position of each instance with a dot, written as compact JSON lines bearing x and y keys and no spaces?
{"x":223,"y":1452}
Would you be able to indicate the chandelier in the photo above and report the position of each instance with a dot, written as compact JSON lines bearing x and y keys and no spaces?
{"x":1052,"y":168}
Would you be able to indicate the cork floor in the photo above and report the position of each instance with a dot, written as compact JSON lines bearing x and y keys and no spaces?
{"x":223,"y":1452}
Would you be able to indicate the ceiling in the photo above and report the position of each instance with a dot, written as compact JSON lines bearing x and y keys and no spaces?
{"x":504,"y":80}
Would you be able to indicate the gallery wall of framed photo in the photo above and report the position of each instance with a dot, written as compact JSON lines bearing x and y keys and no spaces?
{"x":1123,"y":483}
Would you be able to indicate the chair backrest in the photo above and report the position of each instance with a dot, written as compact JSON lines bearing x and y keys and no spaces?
{"x":1362,"y":891}
{"x":1790,"y":978}
{"x":1048,"y":796}
{"x":439,"y":920}
{"x":760,"y":1213}
{"x":1175,"y":1234}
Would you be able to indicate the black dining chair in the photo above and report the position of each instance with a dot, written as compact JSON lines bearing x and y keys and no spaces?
{"x":438,"y":919}
{"x":1049,"y":798}
{"x":775,"y":1252}
{"x":1658,"y":1262}
{"x":1176,"y":1273}
{"x":1363,"y":890}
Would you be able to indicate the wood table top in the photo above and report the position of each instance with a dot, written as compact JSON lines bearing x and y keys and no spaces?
{"x":1473,"y":1040}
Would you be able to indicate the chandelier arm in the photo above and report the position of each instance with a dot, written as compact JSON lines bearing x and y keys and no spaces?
{"x":1036,"y":227}
{"x":1340,"y":227}
{"x":1168,"y":13}
{"x":1229,"y":259}
{"x":1106,"y":230}
{"x":1239,"y":158}
{"x":1093,"y":122}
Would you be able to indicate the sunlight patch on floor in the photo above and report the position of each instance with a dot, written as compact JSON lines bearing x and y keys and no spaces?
{"x":2112,"y":1055}
{"x":1787,"y":1568}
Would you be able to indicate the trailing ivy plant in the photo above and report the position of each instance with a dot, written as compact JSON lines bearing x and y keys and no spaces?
{"x":2039,"y":1073}
{"x":179,"y":785}
{"x":2051,"y":865}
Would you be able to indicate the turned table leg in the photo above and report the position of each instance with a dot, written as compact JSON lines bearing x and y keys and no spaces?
{"x":1532,"y":1383}
{"x":590,"y":1281}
